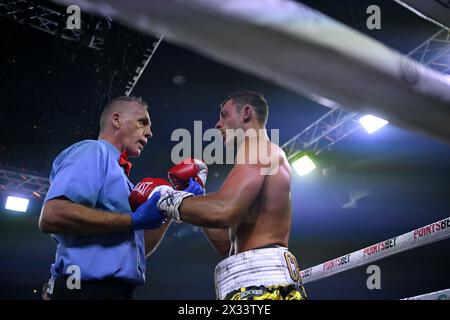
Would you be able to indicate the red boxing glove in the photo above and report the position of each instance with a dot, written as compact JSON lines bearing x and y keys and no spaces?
{"x":189,"y":168}
{"x":143,"y":190}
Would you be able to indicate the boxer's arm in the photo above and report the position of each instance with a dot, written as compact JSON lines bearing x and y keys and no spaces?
{"x":219,"y":239}
{"x":153,"y":238}
{"x":62,"y":216}
{"x":224,"y":208}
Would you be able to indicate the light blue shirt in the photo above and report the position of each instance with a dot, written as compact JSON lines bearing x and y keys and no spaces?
{"x":89,"y":173}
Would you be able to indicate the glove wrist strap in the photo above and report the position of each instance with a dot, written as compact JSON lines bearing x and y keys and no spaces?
{"x":170,"y":201}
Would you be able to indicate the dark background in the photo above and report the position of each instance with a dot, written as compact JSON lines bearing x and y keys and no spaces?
{"x":52,"y":91}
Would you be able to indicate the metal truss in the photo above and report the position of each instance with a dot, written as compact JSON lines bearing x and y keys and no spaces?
{"x":148,"y":54}
{"x":53,"y":21}
{"x":339,"y":123}
{"x":324,"y":133}
{"x":11,"y":181}
{"x":435,"y":52}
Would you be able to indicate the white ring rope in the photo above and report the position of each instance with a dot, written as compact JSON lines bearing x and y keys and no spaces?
{"x":434,"y":232}
{"x":437,"y":295}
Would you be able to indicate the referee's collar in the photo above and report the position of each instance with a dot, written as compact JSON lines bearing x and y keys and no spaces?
{"x":111,"y":147}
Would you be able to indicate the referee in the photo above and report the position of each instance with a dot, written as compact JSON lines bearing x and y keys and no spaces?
{"x":100,"y":250}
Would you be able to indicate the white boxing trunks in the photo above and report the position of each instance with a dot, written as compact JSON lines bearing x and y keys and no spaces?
{"x":266,"y":273}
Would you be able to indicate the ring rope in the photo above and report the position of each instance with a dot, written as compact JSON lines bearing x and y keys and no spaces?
{"x":437,"y":295}
{"x":434,"y":232}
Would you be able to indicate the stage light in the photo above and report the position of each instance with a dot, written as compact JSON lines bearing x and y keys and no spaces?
{"x":303,"y":165}
{"x":17,"y":204}
{"x":372,"y":124}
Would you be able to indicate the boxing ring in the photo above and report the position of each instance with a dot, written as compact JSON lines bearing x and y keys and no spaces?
{"x":287,"y":43}
{"x":428,"y":234}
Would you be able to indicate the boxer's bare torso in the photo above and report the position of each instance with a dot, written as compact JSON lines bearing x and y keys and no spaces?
{"x":252,"y":209}
{"x":268,"y":220}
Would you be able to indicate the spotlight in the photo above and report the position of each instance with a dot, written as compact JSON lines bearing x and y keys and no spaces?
{"x":371,"y":123}
{"x":17,"y":204}
{"x":303,"y":164}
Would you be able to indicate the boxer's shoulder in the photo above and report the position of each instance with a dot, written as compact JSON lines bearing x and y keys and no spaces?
{"x":260,"y":152}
